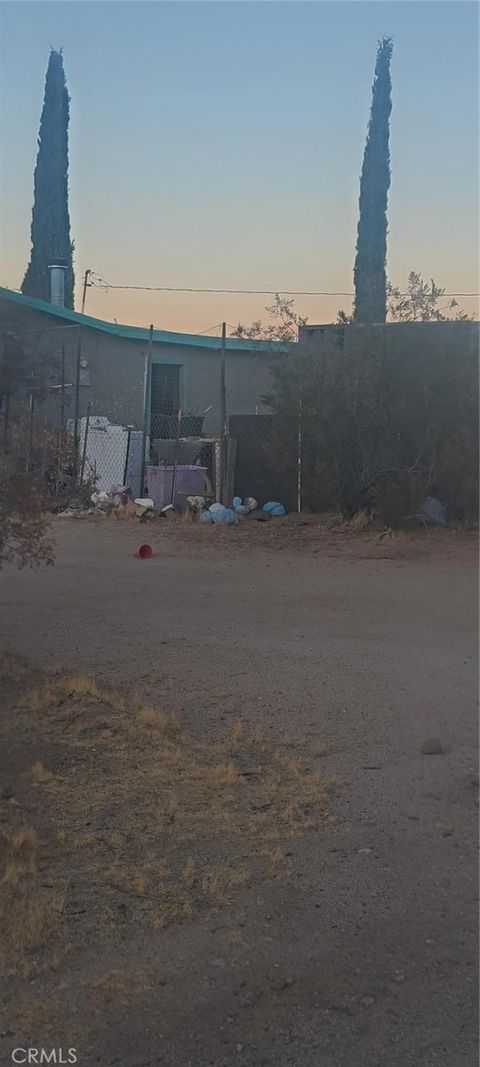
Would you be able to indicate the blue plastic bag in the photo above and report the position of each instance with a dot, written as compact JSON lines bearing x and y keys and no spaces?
{"x":274,"y":508}
{"x":223,"y":516}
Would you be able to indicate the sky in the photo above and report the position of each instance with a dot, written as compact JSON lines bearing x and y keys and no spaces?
{"x":219,"y":145}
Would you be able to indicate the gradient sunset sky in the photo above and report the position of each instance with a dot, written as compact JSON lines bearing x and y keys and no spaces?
{"x":220,"y":145}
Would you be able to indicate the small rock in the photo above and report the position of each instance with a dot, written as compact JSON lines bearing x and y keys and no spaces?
{"x":399,"y":977}
{"x":447,"y":831}
{"x":368,"y":1001}
{"x":239,"y":1047}
{"x":432,"y":747}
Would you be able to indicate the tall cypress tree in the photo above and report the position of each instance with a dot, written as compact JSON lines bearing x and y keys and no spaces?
{"x":50,"y":230}
{"x":370,"y":262}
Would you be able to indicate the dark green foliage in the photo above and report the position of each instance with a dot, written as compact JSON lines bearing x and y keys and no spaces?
{"x":369,"y":272}
{"x":385,"y":417}
{"x":50,"y":231}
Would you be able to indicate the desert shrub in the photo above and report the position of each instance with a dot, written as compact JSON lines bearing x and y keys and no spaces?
{"x":382,"y":422}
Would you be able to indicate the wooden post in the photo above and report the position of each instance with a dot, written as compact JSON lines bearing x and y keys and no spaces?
{"x":86,"y":283}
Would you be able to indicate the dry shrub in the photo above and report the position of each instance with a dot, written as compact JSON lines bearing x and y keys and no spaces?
{"x":360,"y":521}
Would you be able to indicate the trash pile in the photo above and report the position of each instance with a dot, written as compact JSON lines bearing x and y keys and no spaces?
{"x":218,"y":514}
{"x":118,"y":499}
{"x":117,"y":496}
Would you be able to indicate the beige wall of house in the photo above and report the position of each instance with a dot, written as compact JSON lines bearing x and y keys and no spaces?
{"x":113,"y":378}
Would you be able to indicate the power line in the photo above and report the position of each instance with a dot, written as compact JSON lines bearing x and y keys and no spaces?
{"x":216,"y":326}
{"x":102,"y":284}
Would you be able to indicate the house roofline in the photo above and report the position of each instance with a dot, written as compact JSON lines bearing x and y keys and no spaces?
{"x":139,"y":333}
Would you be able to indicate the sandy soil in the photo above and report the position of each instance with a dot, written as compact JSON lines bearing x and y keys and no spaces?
{"x":363,"y":951}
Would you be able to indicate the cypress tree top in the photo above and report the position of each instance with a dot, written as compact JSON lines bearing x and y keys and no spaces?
{"x":50,"y":231}
{"x":370,"y":263}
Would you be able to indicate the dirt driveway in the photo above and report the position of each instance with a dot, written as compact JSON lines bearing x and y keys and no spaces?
{"x":363,"y":954}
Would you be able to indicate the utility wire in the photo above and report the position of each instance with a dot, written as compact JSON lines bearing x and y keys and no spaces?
{"x":102,"y":284}
{"x":216,"y":326}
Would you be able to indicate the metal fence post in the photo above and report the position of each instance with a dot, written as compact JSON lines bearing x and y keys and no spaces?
{"x":223,"y":420}
{"x":299,"y":457}
{"x":5,"y":396}
{"x":146,"y":394}
{"x":175,"y":457}
{"x":28,"y":464}
{"x":85,"y":439}
{"x":76,"y":441}
{"x":60,"y":454}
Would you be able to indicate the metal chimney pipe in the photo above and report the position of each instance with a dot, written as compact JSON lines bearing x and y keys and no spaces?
{"x":58,"y":270}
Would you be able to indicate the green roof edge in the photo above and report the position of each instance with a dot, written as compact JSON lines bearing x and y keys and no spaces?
{"x":139,"y":333}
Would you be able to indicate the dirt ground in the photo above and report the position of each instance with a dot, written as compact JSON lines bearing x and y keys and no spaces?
{"x":271,"y":872}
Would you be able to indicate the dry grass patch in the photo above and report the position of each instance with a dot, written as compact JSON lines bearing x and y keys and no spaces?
{"x":220,"y":884}
{"x":151,"y":821}
{"x":119,"y":985}
{"x":28,"y":920}
{"x":40,"y":775}
{"x":18,"y":855}
{"x":41,"y":1019}
{"x":157,"y":721}
{"x":171,"y":911}
{"x":71,"y":688}
{"x":277,"y":862}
